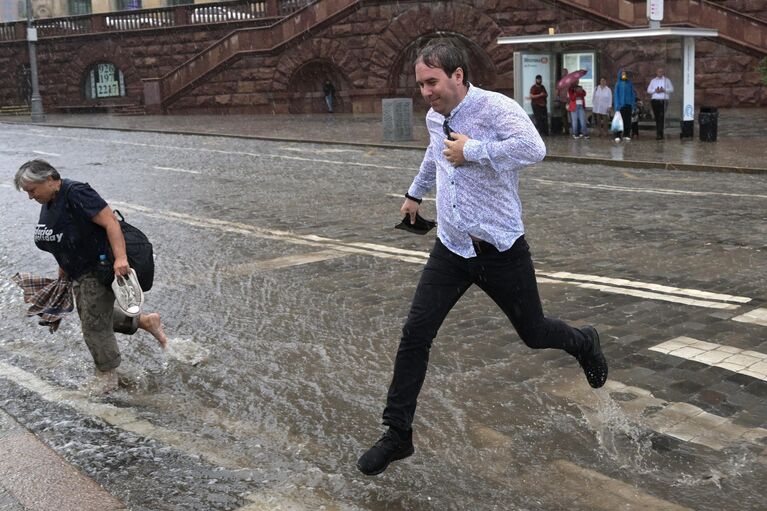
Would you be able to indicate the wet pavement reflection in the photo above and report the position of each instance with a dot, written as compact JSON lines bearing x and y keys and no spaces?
{"x":741,"y":135}
{"x":283,"y":287}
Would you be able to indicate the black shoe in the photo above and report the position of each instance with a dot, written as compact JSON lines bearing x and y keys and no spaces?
{"x":392,"y":446}
{"x":592,"y":359}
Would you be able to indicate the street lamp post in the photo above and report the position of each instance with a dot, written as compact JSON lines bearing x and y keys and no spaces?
{"x":36,"y":106}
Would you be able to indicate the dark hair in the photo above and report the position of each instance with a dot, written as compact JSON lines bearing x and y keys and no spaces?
{"x":538,"y":77}
{"x":446,"y":56}
{"x":34,"y":171}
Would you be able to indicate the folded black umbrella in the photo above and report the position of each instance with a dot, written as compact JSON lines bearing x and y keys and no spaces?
{"x":421,"y":225}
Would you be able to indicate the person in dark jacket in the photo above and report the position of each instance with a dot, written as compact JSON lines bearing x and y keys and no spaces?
{"x":75,"y":226}
{"x":538,"y":101}
{"x":329,"y":91}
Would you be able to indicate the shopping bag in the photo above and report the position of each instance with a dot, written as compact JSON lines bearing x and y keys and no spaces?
{"x":617,"y":124}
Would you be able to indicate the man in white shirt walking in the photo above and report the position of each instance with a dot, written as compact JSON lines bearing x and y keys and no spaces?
{"x":660,"y":87}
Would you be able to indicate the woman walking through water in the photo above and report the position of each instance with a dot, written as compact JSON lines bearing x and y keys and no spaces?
{"x":75,"y":225}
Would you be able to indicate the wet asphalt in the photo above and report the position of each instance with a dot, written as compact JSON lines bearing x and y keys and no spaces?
{"x":260,"y":260}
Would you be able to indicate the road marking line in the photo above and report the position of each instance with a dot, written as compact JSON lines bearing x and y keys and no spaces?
{"x":562,"y":275}
{"x":320,"y":151}
{"x":683,"y":421}
{"x":413,"y":256}
{"x":660,"y":191}
{"x":418,"y":257}
{"x":101,"y":141}
{"x":313,"y":240}
{"x":178,"y":170}
{"x":612,"y":494}
{"x":756,"y":317}
{"x":123,"y":418}
{"x":46,"y":154}
{"x":568,"y":478}
{"x":283,"y":262}
{"x":747,"y":362}
{"x":294,"y":497}
{"x":643,"y":294}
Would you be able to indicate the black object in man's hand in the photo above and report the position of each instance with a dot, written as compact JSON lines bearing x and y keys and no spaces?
{"x":421,"y":225}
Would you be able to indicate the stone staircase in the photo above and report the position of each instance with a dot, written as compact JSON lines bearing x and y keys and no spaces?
{"x":744,"y":32}
{"x":126,"y":110}
{"x":15,"y":110}
{"x":162,"y":91}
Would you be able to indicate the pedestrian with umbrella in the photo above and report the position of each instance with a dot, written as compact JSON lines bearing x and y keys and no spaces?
{"x":564,"y":85}
{"x":577,"y":110}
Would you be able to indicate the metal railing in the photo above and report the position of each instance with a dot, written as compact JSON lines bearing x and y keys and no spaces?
{"x":135,"y":20}
{"x":8,"y":31}
{"x":259,"y":12}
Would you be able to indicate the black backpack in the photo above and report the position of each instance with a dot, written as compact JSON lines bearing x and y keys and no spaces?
{"x":138,"y":249}
{"x":140,"y":254}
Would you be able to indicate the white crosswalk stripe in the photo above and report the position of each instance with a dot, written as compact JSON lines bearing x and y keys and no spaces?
{"x":747,"y":362}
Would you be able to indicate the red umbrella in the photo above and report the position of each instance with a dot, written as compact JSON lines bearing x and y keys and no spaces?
{"x":566,"y":81}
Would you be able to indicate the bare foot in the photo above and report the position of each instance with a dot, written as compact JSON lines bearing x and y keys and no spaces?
{"x":103,"y":382}
{"x":152,"y":324}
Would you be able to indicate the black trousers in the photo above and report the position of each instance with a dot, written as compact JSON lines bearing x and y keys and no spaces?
{"x":626,"y":115}
{"x":507,"y":277}
{"x":659,"y":112}
{"x":541,"y":116}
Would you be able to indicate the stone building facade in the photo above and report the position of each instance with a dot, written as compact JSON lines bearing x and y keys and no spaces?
{"x":367,"y":54}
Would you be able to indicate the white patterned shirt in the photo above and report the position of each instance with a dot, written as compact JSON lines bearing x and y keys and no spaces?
{"x":481,"y":197}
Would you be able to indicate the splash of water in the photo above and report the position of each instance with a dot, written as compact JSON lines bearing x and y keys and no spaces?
{"x":622,"y":440}
{"x":186,"y":351}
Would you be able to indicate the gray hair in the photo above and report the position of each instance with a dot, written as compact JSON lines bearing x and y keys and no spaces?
{"x":34,"y":171}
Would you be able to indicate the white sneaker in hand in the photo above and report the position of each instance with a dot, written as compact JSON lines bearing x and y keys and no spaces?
{"x":128,"y":294}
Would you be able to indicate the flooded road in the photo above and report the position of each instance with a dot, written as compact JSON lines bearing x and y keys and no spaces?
{"x":283,"y":287}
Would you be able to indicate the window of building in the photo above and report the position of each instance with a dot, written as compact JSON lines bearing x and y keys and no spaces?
{"x":104,"y":80}
{"x":127,"y":5}
{"x":180,"y":2}
{"x":79,"y":7}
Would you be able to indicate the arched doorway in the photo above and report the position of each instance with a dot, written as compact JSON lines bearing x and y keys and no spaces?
{"x":305,"y":88}
{"x":402,"y":80}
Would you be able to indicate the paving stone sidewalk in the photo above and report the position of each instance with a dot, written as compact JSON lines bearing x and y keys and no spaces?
{"x":34,"y":478}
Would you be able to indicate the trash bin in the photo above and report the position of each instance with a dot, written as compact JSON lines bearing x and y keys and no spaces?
{"x":556,"y":125}
{"x":708,"y":121}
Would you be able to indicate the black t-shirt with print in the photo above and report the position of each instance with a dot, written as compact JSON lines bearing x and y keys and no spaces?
{"x":69,"y":232}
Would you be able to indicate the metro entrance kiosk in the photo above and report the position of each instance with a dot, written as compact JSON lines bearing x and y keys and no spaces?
{"x":544,"y":62}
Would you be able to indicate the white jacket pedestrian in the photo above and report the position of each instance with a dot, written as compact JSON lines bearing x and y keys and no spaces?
{"x":602,"y":100}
